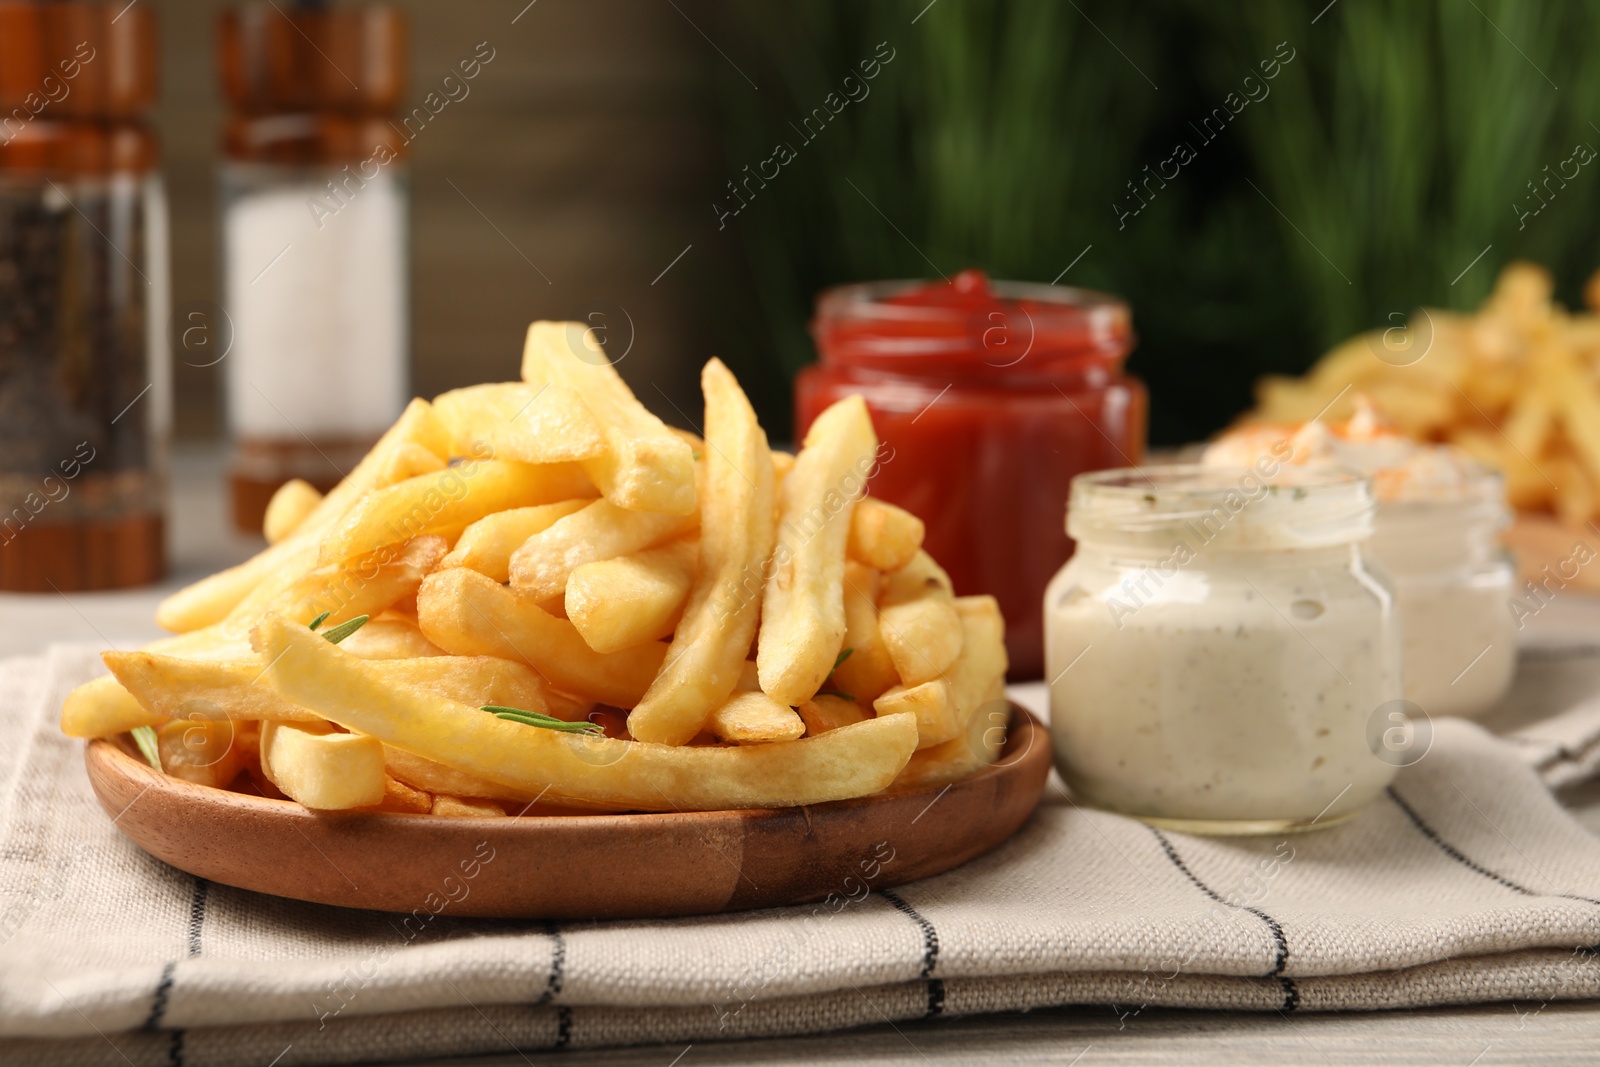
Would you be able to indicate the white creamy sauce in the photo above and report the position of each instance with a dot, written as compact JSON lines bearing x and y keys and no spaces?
{"x":1237,"y":690}
{"x":1435,"y":537}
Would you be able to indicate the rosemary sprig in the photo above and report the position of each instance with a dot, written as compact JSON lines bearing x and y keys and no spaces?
{"x":345,"y":629}
{"x":145,"y":738}
{"x":543,"y":721}
{"x":319,"y":620}
{"x":826,"y":690}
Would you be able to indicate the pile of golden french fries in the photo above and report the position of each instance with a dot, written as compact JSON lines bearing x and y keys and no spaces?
{"x":1516,"y":385}
{"x":536,"y":596}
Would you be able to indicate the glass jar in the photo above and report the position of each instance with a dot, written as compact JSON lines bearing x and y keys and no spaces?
{"x":1219,"y":651}
{"x":1452,"y":582}
{"x":988,"y":398}
{"x":315,"y":199}
{"x":85,"y":396}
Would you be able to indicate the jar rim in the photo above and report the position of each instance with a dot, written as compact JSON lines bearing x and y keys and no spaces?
{"x":1261,"y":507}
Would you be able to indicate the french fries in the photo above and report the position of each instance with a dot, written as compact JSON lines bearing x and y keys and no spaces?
{"x":755,"y":718}
{"x":290,"y":505}
{"x":320,"y":767}
{"x":866,"y":671}
{"x":623,"y":602}
{"x":211,"y":599}
{"x":447,"y":501}
{"x":1516,"y":385}
{"x":487,"y":545}
{"x":513,"y":420}
{"x":600,"y":531}
{"x":645,"y":467}
{"x":364,"y":586}
{"x":474,"y":623}
{"x":918,"y":620}
{"x":884,"y":536}
{"x":802,"y":609}
{"x":847,"y":762}
{"x":708,"y":650}
{"x":466,"y":614}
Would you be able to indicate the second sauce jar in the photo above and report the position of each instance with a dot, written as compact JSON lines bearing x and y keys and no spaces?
{"x":1219,"y":649}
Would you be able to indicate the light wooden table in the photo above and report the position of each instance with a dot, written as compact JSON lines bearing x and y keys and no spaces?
{"x":1478,"y":1036}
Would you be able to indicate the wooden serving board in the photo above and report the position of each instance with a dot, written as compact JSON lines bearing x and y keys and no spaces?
{"x":573,"y":867}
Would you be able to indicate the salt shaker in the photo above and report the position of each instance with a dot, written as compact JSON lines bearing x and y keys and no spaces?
{"x":314,"y":242}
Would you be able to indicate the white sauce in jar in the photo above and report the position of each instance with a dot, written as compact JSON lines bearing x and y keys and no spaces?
{"x":1217,"y":668}
{"x":1436,"y":536}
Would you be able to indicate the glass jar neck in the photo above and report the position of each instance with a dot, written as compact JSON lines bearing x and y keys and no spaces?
{"x":1424,"y":537}
{"x":1214,"y":559}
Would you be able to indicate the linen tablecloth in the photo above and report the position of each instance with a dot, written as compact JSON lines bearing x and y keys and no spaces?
{"x":1465,"y":882}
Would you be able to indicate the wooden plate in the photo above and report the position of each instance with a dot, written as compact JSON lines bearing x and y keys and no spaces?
{"x":573,"y":867}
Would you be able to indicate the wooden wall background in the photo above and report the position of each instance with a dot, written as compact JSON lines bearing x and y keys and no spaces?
{"x":588,"y":142}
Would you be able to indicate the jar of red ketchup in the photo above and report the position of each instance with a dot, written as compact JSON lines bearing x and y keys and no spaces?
{"x":990,"y":397}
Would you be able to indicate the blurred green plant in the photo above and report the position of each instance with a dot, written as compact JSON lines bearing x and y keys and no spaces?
{"x":1391,"y":151}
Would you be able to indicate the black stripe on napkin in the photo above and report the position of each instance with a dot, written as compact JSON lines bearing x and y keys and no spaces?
{"x":558,"y":964}
{"x":1460,"y":857}
{"x":163,"y":993}
{"x":930,"y":950}
{"x":563,"y":1026}
{"x":197,"y":914}
{"x":1291,"y":993}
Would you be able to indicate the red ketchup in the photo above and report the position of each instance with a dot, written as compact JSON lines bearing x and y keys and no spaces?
{"x":988,"y":397}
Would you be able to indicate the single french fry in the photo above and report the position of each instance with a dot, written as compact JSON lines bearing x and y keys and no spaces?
{"x":709,"y":647}
{"x":293,"y":501}
{"x":802,"y":609}
{"x":917,"y":620}
{"x":755,"y":718}
{"x":321,"y":768}
{"x":103,"y":708}
{"x":645,"y":467}
{"x":352,"y":587}
{"x":628,"y":601}
{"x":867,"y":671}
{"x":932,"y":704}
{"x":600,"y":531}
{"x":980,"y":745}
{"x":514,"y":420}
{"x":467,"y":808}
{"x":487,"y":545}
{"x":211,"y":599}
{"x":203,"y":752}
{"x":467,"y":614}
{"x":884,"y":536}
{"x":448,"y":500}
{"x":390,"y":638}
{"x":1580,"y":413}
{"x":822,"y":714}
{"x":168,"y":687}
{"x":849,"y":762}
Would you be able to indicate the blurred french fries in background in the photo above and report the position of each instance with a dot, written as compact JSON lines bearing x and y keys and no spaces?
{"x":1516,"y":385}
{"x":501,"y":574}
